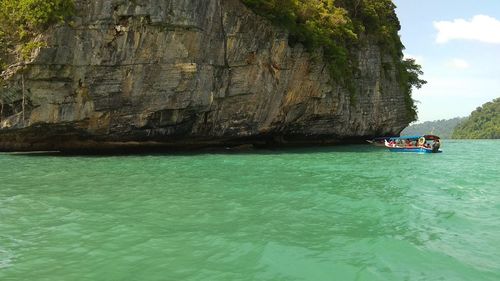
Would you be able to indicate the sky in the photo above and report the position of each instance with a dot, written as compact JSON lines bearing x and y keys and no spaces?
{"x":458,"y":45}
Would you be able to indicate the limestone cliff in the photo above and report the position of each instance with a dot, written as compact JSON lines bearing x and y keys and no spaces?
{"x":182,"y":73}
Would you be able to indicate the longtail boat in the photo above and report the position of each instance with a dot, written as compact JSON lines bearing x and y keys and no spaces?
{"x":415,"y":144}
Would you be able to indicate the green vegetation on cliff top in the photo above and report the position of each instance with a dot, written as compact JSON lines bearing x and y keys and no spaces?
{"x":337,"y":26}
{"x":483,"y":123}
{"x":21,"y":21}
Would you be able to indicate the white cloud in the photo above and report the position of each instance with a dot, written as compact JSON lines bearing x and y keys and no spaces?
{"x":459,"y":64}
{"x":480,"y":28}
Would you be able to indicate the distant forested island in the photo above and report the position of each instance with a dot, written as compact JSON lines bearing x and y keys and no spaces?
{"x":483,"y":123}
{"x":443,"y":128}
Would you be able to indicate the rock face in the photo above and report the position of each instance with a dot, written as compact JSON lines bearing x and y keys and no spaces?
{"x":182,"y":73}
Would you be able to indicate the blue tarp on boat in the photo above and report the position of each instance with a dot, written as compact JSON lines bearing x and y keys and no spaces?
{"x":415,"y":138}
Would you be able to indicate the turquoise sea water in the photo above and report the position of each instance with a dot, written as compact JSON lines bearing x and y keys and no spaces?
{"x":343,"y":213}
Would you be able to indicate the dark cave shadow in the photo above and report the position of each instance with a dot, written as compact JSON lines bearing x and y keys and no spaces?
{"x":344,"y":148}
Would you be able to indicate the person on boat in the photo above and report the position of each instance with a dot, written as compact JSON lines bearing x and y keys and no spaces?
{"x":399,"y":143}
{"x":436,"y":145}
{"x":408,"y":143}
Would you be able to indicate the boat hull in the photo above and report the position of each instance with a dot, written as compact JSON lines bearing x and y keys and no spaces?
{"x":413,"y":149}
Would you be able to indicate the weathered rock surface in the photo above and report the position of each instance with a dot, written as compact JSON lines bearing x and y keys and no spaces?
{"x":185,"y":73}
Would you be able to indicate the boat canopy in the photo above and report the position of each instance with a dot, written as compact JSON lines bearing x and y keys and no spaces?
{"x":414,"y":138}
{"x":384,"y":138}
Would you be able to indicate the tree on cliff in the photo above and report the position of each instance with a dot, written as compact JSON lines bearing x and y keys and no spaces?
{"x":483,"y":123}
{"x":410,"y":73}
